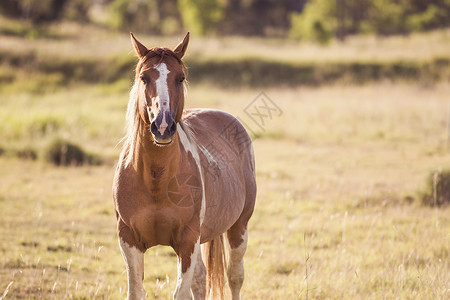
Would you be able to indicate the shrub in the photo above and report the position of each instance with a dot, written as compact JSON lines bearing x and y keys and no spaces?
{"x":437,"y":191}
{"x":27,"y":153}
{"x":63,"y":153}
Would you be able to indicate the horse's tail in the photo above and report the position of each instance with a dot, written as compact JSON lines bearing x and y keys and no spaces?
{"x":215,"y":261}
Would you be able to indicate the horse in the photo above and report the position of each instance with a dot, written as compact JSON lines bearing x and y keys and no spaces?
{"x":184,"y":179}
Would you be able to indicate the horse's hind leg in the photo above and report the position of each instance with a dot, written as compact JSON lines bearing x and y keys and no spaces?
{"x":237,"y":238}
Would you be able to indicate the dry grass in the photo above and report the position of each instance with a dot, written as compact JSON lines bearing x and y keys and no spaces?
{"x":336,"y":175}
{"x":339,"y":174}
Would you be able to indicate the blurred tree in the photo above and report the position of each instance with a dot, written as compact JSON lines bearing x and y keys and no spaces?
{"x":356,"y":11}
{"x":10,"y":8}
{"x":35,"y":11}
{"x":341,"y":28}
{"x":426,"y":15}
{"x":306,"y":19}
{"x":317,"y":22}
{"x":321,"y":19}
{"x":132,"y":14}
{"x":385,"y":17}
{"x":403,"y":16}
{"x":77,"y":10}
{"x":169,"y":16}
{"x":151,"y":16}
{"x":259,"y":17}
{"x":202,"y":16}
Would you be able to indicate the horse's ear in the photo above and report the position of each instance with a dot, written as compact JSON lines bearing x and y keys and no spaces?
{"x":140,"y":49}
{"x":182,"y":46}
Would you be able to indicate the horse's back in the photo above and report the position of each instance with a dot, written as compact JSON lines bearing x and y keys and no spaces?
{"x":227,"y":161}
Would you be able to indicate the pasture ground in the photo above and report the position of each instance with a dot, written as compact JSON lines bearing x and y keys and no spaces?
{"x":338,"y":213}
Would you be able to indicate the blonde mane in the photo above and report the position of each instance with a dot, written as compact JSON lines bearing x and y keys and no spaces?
{"x":133,"y":118}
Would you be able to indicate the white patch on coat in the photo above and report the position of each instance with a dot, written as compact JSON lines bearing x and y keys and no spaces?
{"x":208,"y":155}
{"x":235,"y":270}
{"x":193,"y":149}
{"x":184,"y":280}
{"x":236,"y":254}
{"x":162,"y":91}
{"x":134,"y":261}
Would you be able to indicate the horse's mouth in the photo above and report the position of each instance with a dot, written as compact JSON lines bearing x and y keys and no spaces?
{"x":162,"y":142}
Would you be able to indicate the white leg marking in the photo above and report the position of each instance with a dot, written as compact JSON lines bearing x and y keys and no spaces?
{"x":162,"y":91}
{"x":198,"y":286}
{"x":134,"y":260}
{"x":193,"y":149}
{"x":184,"y":280}
{"x":235,"y":270}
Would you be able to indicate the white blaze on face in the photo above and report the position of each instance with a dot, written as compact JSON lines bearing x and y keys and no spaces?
{"x":163,"y":94}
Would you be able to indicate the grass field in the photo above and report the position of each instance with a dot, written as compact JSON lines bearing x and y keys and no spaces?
{"x":339,"y":172}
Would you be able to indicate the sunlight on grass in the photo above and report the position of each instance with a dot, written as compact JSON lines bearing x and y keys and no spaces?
{"x":330,"y":188}
{"x":340,"y":173}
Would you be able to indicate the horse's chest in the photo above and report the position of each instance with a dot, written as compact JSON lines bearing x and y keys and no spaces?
{"x":160,"y":225}
{"x":157,"y":205}
{"x":184,"y":190}
{"x":158,"y":216}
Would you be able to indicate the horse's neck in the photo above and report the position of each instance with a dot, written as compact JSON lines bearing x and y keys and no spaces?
{"x":156,"y":164}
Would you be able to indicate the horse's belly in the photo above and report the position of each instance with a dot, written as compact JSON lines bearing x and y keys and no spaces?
{"x":225,"y":199}
{"x":222,"y":211}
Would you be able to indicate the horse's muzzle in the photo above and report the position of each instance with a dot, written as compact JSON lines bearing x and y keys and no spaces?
{"x":163,"y":129}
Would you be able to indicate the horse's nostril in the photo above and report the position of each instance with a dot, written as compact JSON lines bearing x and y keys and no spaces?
{"x":153,"y":128}
{"x":173,"y":128}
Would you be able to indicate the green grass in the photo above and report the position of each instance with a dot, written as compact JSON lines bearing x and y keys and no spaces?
{"x":340,"y":175}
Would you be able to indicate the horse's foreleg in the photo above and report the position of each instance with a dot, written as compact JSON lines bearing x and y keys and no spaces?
{"x":134,"y":260}
{"x":235,"y":270}
{"x":187,"y":259}
{"x":198,"y":286}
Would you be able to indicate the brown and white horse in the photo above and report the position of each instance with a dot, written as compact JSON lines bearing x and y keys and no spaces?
{"x":185,"y":179}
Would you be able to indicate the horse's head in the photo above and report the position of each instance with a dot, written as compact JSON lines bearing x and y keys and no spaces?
{"x":160,"y":76}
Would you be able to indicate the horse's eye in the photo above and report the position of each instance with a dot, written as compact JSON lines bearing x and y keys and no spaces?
{"x":144,"y":79}
{"x":181,"y":79}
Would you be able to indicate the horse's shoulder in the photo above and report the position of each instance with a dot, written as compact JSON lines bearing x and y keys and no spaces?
{"x":124,"y":178}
